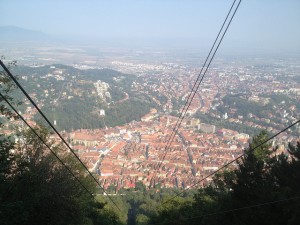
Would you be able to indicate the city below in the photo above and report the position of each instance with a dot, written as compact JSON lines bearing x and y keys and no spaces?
{"x":149,"y":112}
{"x":235,"y":101}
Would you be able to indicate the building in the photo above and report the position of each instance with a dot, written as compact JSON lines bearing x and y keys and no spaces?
{"x":207,"y":128}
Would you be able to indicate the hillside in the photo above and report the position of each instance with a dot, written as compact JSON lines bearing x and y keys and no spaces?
{"x":87,"y":99}
{"x":18,"y":34}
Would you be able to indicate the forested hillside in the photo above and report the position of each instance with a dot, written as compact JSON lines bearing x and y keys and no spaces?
{"x":74,"y":98}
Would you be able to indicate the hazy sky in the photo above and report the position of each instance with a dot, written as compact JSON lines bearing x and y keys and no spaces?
{"x":258,"y":23}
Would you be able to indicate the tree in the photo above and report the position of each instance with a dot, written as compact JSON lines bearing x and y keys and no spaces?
{"x":42,"y":190}
{"x":7,"y":88}
{"x":286,"y":173}
{"x":139,"y":186}
{"x":260,"y":177}
{"x":46,"y":192}
{"x":174,"y":212}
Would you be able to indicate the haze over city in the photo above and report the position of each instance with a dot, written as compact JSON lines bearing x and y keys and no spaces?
{"x":128,"y":113}
{"x":261,"y":26}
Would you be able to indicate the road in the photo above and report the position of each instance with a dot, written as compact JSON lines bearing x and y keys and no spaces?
{"x":185,"y":144}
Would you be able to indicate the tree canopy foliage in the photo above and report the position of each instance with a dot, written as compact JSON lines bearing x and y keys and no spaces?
{"x":37,"y":189}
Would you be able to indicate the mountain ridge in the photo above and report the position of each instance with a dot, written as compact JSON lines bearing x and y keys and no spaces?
{"x":19,"y":34}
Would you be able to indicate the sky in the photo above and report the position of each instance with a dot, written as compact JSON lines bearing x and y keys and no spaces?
{"x":261,"y":24}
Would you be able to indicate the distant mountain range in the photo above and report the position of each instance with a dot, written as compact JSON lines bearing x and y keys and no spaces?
{"x":18,"y":34}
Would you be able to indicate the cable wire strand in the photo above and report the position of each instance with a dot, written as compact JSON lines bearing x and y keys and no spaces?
{"x":193,"y":92}
{"x":55,"y":130}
